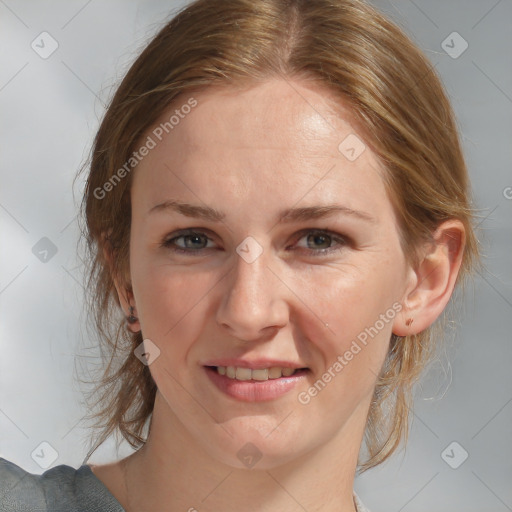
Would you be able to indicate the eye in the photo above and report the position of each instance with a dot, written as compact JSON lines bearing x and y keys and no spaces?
{"x":321,"y":242}
{"x":188,"y":242}
{"x":314,"y":242}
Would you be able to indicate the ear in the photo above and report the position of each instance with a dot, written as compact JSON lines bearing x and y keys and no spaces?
{"x":433,"y":281}
{"x":124,"y":293}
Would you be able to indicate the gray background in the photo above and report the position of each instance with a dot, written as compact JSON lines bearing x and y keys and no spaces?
{"x":50,"y":110}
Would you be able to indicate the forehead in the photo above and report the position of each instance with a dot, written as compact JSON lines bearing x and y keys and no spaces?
{"x":271,"y":115}
{"x":260,"y":144}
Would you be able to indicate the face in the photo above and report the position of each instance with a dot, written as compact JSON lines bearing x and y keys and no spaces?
{"x":259,"y":245}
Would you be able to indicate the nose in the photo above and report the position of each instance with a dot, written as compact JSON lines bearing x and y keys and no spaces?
{"x":254,"y":305}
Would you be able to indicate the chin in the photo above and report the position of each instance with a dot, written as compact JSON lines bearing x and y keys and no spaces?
{"x":256,"y":444}
{"x":253,"y":457}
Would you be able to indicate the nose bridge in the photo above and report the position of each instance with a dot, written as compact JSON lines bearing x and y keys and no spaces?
{"x":252,"y":301}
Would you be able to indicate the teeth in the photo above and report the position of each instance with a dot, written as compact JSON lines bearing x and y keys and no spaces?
{"x":243,"y":374}
{"x":260,"y":374}
{"x":234,"y":372}
{"x":274,"y":372}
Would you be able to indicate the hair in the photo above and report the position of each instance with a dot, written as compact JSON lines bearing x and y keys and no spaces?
{"x":402,"y":112}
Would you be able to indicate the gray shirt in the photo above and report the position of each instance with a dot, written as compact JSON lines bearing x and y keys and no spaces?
{"x":61,"y":489}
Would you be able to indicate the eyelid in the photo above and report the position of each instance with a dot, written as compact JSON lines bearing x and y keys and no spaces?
{"x":318,"y":231}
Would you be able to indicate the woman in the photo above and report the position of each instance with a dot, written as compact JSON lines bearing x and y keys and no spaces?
{"x":278,"y":204}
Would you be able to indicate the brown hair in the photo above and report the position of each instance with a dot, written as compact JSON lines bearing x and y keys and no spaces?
{"x":403,"y":114}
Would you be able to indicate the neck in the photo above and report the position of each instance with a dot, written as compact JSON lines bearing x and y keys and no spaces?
{"x":171,"y":473}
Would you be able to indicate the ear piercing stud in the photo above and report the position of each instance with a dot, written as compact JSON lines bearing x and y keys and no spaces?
{"x":132,"y":318}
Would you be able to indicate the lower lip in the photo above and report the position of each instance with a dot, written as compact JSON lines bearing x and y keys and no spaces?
{"x":255,"y":390}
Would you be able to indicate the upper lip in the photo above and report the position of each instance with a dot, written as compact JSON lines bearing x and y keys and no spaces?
{"x":254,"y":364}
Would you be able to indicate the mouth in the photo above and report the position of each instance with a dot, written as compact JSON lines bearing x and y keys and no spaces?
{"x":255,"y":384}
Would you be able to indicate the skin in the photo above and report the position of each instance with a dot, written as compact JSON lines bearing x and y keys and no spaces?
{"x":251,"y":154}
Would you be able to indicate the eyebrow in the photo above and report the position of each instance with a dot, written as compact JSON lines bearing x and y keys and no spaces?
{"x":189,"y":210}
{"x":289,"y":215}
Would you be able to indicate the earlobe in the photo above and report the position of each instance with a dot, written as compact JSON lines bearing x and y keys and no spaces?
{"x":126,"y":299}
{"x":128,"y":306}
{"x":436,"y":277}
{"x":132,"y":320}
{"x":125,"y":296}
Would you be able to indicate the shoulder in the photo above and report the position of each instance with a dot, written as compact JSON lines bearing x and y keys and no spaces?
{"x":19,"y":490}
{"x":59,"y":488}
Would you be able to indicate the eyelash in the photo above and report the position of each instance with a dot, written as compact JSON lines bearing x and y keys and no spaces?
{"x":340,"y":240}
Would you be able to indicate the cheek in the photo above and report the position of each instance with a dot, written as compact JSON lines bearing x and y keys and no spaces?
{"x":349,"y":299}
{"x":171,"y":303}
{"x":359,"y":305}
